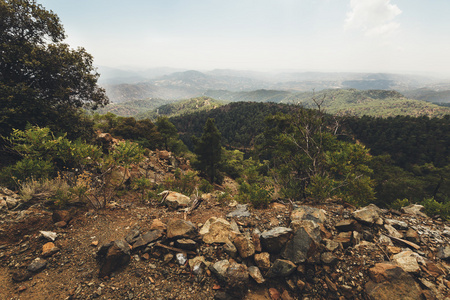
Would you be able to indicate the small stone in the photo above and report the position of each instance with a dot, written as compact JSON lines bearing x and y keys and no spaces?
{"x":392,"y":231}
{"x":37,"y":265}
{"x":412,"y":236}
{"x":49,"y":235}
{"x":49,"y":249}
{"x":262,"y":260}
{"x":331,"y":245}
{"x":286,"y":296}
{"x":328,"y":258}
{"x":347,"y":225}
{"x":168,"y":258}
{"x":61,"y":215}
{"x":186,"y":244}
{"x":275,"y":239}
{"x":230,"y":249}
{"x":397,"y":224}
{"x":158,"y":224}
{"x":444,"y":253}
{"x":20,"y":275}
{"x":281,"y":268}
{"x":368,"y":215}
{"x":345,"y":238}
{"x":304,"y":212}
{"x":94,"y":243}
{"x":217,"y":230}
{"x":301,"y":284}
{"x":240,"y":211}
{"x":174,"y":200}
{"x":61,"y":224}
{"x":414,"y":209}
{"x":181,"y":258}
{"x":244,"y":246}
{"x":113,"y":256}
{"x":180,"y":228}
{"x":274,"y":294}
{"x":407,"y":261}
{"x":255,"y":273}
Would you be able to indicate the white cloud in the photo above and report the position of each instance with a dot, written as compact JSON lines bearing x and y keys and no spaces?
{"x":373,"y":17}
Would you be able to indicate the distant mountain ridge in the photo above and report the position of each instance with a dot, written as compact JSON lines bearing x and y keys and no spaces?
{"x":187,"y":84}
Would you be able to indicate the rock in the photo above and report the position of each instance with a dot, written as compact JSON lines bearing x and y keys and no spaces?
{"x":392,"y":231}
{"x":198,"y":264}
{"x":49,"y":249}
{"x":384,"y":240}
{"x":158,"y":224}
{"x":391,"y":282}
{"x":281,"y":268}
{"x":61,"y":224}
{"x":274,"y":294}
{"x":147,"y":238}
{"x":262,"y":260}
{"x":181,"y":258}
{"x":331,"y":285}
{"x":12,"y":203}
{"x":37,"y":265}
{"x":230,"y":249}
{"x":49,"y":235}
{"x":444,"y":252}
{"x":177,"y":228}
{"x":345,"y":238}
{"x":407,"y":261}
{"x":308,"y":213}
{"x":237,"y":279}
{"x":414,"y":209}
{"x":299,"y":247}
{"x":244,"y":246}
{"x":412,"y":236}
{"x":20,"y":275}
{"x":164,"y":154}
{"x":275,"y":239}
{"x":240,"y":211}
{"x":368,"y":215}
{"x":117,"y":255}
{"x":255,"y":273}
{"x":186,"y":244}
{"x":61,"y":215}
{"x":174,"y":200}
{"x":397,"y":224}
{"x":220,"y":269}
{"x":133,"y":236}
{"x":347,"y":225}
{"x":328,"y":258}
{"x":286,"y":296}
{"x":331,"y":245}
{"x":217,"y":230}
{"x":256,"y":239}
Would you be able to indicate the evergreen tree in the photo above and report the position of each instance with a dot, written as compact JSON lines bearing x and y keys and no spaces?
{"x":167,"y":130}
{"x":209,"y":151}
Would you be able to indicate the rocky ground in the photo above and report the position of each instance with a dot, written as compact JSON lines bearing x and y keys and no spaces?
{"x":164,"y":250}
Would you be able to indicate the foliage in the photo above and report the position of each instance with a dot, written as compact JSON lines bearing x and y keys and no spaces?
{"x":205,"y":186}
{"x":184,"y":183}
{"x":209,"y":152}
{"x":254,"y":188}
{"x":168,"y":132}
{"x":434,"y":208}
{"x":42,"y":80}
{"x":142,"y":184}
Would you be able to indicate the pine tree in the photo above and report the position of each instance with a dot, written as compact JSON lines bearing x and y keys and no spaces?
{"x":209,"y":151}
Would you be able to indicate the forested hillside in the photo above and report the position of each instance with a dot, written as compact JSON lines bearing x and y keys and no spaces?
{"x":181,"y":107}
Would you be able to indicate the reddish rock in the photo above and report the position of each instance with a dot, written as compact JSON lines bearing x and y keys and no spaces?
{"x":274,"y":294}
{"x":158,"y":224}
{"x":61,"y":215}
{"x":49,"y":249}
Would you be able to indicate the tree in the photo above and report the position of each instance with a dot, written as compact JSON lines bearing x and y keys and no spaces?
{"x":209,"y":151}
{"x":42,"y":80}
{"x":167,"y":130}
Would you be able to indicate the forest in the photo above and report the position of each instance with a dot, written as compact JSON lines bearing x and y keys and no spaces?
{"x":275,"y":152}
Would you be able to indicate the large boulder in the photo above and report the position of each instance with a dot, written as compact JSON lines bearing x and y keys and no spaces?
{"x":414,"y":209}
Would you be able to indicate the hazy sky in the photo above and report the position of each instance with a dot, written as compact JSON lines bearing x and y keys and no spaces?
{"x":307,"y":35}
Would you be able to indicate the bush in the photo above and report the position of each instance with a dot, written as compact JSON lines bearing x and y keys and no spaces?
{"x":257,"y":196}
{"x":182,"y":183}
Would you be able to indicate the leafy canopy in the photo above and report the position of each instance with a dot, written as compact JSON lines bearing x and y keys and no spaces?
{"x":42,"y":80}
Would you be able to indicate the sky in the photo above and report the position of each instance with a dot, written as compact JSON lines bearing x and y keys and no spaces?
{"x":394,"y":36}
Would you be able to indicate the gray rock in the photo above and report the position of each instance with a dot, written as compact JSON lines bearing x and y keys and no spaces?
{"x":178,"y":228}
{"x":281,"y":268}
{"x":21,"y":275}
{"x":304,"y":212}
{"x":37,"y":265}
{"x":146,"y":238}
{"x":414,"y":209}
{"x":220,"y":269}
{"x":132,"y":236}
{"x":237,"y":279}
{"x":397,"y":224}
{"x":392,"y":231}
{"x":331,"y":245}
{"x":255,"y":273}
{"x":407,"y":261}
{"x":230,"y":249}
{"x":275,"y":239}
{"x":240,"y":211}
{"x":368,"y":215}
{"x":347,"y":225}
{"x":299,"y":247}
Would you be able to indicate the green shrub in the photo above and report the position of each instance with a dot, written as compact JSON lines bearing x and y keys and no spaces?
{"x":205,"y":186}
{"x":433,"y":208}
{"x":258,"y":196}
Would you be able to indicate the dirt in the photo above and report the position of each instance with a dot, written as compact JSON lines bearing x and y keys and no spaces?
{"x":72,"y":273}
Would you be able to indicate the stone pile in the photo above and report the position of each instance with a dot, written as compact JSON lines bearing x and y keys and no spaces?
{"x":336,"y":254}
